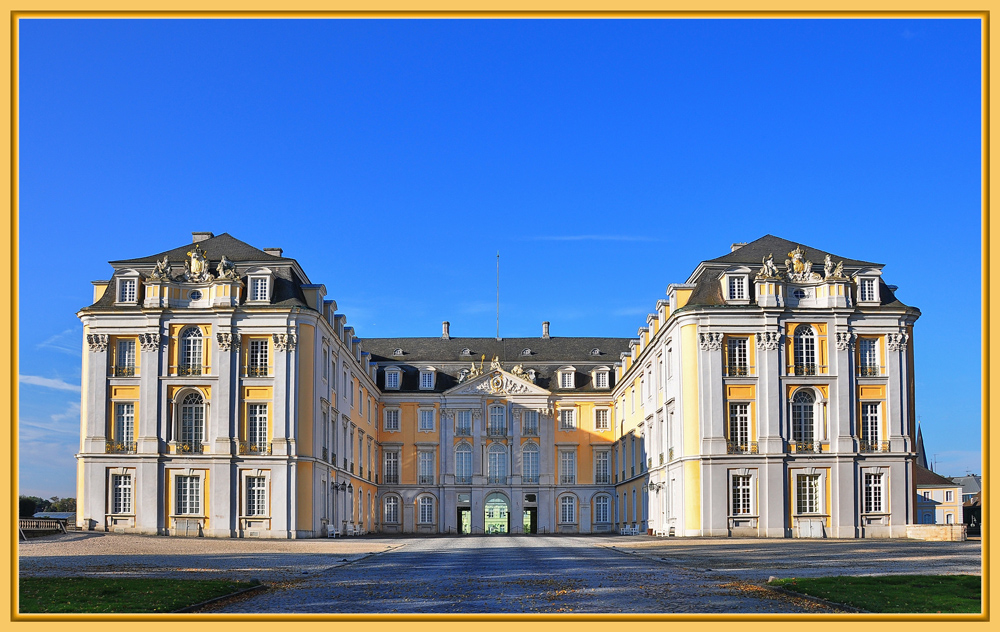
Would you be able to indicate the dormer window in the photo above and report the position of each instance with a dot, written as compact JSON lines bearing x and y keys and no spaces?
{"x":466,"y":352}
{"x":127,"y":292}
{"x":868,"y":286}
{"x":397,"y":352}
{"x":736,"y":286}
{"x":595,"y":351}
{"x":392,"y":378}
{"x":259,"y":283}
{"x":867,"y":292}
{"x":427,"y":378}
{"x":567,"y":377}
{"x":526,"y":352}
{"x":258,"y":289}
{"x":601,"y":377}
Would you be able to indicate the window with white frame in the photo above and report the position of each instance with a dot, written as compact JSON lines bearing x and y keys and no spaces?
{"x":256,"y":428}
{"x":127,"y":290}
{"x":125,"y":358}
{"x":463,"y":464}
{"x":391,"y":458}
{"x":949,"y":496}
{"x":602,"y":509}
{"x":601,"y":419}
{"x":567,"y":509}
{"x":497,"y":464}
{"x":867,"y":290}
{"x":601,"y":379}
{"x":121,"y":493}
{"x":392,"y":379}
{"x":602,"y":468}
{"x":737,"y":288}
{"x":868,"y":357}
{"x":391,"y":513}
{"x":426,"y":419}
{"x":529,"y":462}
{"x":742,"y":502}
{"x":739,"y":427}
{"x":425,"y":467}
{"x":807,"y":495}
{"x":567,"y":378}
{"x":567,"y":419}
{"x":497,"y":424}
{"x":257,"y":357}
{"x":737,"y":360}
{"x":188,"y":495}
{"x":391,"y":419}
{"x":463,"y":423}
{"x":191,"y":351}
{"x":873,"y":492}
{"x":124,"y":430}
{"x":256,"y":502}
{"x":426,"y":505}
{"x":804,"y":350}
{"x":803,"y":428}
{"x":529,"y":423}
{"x":192,"y":422}
{"x":567,"y":467}
{"x":426,"y":380}
{"x":871,"y":432}
{"x":259,"y":289}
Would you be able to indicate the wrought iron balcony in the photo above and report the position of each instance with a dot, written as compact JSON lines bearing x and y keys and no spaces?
{"x":805,"y":369}
{"x":530,"y":430}
{"x":251,"y":447}
{"x":567,"y":479}
{"x":806,"y":446}
{"x":873,"y":446}
{"x":190,"y":446}
{"x":741,"y":447}
{"x":189,"y":369}
{"x":257,"y":370}
{"x":869,"y":371}
{"x":392,"y":479}
{"x":463,"y":431}
{"x":463,"y":480}
{"x":361,"y":471}
{"x":738,"y":370}
{"x":649,"y":462}
{"x":125,"y":371}
{"x":670,"y":454}
{"x":496,"y":480}
{"x":119,"y":447}
{"x":529,"y":478}
{"x":661,"y":458}
{"x":425,"y":479}
{"x":496,"y":431}
{"x":602,"y":479}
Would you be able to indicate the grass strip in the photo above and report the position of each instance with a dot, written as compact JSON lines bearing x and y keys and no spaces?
{"x":895,"y":593}
{"x":118,"y":595}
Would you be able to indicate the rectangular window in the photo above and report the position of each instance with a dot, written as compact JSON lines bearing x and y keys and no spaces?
{"x":188,"y":490}
{"x":601,"y":419}
{"x":124,"y":431}
{"x":566,"y":379}
{"x":949,"y":496}
{"x":497,"y":426}
{"x":873,"y":493}
{"x":601,"y":379}
{"x":258,"y":289}
{"x":391,"y":510}
{"x":737,"y":288}
{"x":257,"y":427}
{"x":530,"y":427}
{"x":868,"y":355}
{"x":602,"y":509}
{"x":392,"y":379}
{"x":257,"y":358}
{"x":125,"y":358}
{"x":807,"y":493}
{"x":567,"y":510}
{"x":126,"y":291}
{"x":602,"y":468}
{"x":425,"y":463}
{"x":529,"y":463}
{"x":256,"y":496}
{"x":463,"y":423}
{"x":426,"y":510}
{"x":737,"y":362}
{"x":567,"y":467}
{"x":741,"y":495}
{"x":426,"y":420}
{"x":567,"y":419}
{"x":391,"y":419}
{"x":871,"y":439}
{"x":426,"y":380}
{"x":739,"y":428}
{"x":867,"y":289}
{"x":391,"y":467}
{"x":463,"y":465}
{"x":121,"y":493}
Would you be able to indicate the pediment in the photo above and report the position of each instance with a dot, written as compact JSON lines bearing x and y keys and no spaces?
{"x":497,"y":382}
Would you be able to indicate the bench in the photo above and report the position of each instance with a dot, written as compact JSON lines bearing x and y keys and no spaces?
{"x":40,"y":524}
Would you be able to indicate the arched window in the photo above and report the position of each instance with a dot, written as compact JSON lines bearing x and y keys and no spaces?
{"x":192,"y":430}
{"x":497,"y":466}
{"x":191,"y":352}
{"x":803,"y":428}
{"x":529,"y":462}
{"x":498,"y":421}
{"x":463,"y":464}
{"x":804,"y":342}
{"x":391,"y":513}
{"x":602,"y":509}
{"x":425,"y":507}
{"x":567,"y":509}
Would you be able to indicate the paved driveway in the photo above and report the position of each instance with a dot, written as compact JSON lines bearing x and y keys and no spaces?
{"x":501,"y":574}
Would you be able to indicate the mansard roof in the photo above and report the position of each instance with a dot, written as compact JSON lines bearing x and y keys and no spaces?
{"x":215,"y":247}
{"x":753,"y":253}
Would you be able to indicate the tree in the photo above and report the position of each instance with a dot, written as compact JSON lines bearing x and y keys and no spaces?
{"x":26,"y":507}
{"x":63,"y":504}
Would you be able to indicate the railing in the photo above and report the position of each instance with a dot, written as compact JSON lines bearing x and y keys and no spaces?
{"x":602,"y":479}
{"x":325,"y":454}
{"x":392,"y":479}
{"x":463,"y":480}
{"x":568,"y":479}
{"x":249,"y":447}
{"x":649,"y":462}
{"x":661,"y":458}
{"x":738,"y":370}
{"x":190,"y":446}
{"x":670,"y":454}
{"x":189,"y":369}
{"x":119,"y":447}
{"x":496,"y":480}
{"x":463,"y":431}
{"x":257,"y":371}
{"x":425,"y":479}
{"x":496,"y":431}
{"x":873,"y":446}
{"x":803,"y":446}
{"x":530,"y":431}
{"x":124,"y":371}
{"x":529,"y":478}
{"x":806,"y":369}
{"x":741,"y":447}
{"x":869,"y":371}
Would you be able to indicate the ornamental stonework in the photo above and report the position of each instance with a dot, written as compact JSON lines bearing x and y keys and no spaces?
{"x":226,"y":340}
{"x":769,"y":340}
{"x":149,"y":342}
{"x":97,"y":342}
{"x":284,"y":342}
{"x":710,"y":341}
{"x":845,"y":341}
{"x":897,"y":342}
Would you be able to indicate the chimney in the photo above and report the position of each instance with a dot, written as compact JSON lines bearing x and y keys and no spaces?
{"x":545,"y":329}
{"x":444,"y":330}
{"x":196,"y":237}
{"x":737,"y":246}
{"x":274,"y":252}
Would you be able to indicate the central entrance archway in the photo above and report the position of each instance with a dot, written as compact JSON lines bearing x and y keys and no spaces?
{"x":497,"y":514}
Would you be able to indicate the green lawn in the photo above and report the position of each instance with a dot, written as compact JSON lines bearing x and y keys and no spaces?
{"x":895,"y":593}
{"x":105,"y":595}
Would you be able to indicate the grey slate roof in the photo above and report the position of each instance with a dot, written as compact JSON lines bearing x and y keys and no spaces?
{"x":754,"y":252}
{"x":547,"y":356}
{"x":215,"y":247}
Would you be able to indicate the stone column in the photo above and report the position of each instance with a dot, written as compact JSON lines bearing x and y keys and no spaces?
{"x":147,"y":434}
{"x":97,"y":394}
{"x":713,"y":414}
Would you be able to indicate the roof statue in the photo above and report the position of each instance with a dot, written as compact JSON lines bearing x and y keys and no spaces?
{"x":161,"y":271}
{"x":226,"y":269}
{"x":800,"y":269}
{"x":769,"y":271}
{"x":519,"y":371}
{"x":196,"y":269}
{"x":495,"y":364}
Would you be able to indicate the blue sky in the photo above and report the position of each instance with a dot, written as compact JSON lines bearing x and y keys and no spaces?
{"x":603,"y":159}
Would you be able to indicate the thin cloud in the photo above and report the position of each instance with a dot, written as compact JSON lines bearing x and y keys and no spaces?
{"x":67,"y":342}
{"x":630,"y":311}
{"x":45,"y":382}
{"x":592,"y":238}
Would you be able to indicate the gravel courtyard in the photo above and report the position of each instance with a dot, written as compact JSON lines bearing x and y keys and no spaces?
{"x":612,"y":574}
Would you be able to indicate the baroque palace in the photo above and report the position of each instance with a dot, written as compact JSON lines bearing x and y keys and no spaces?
{"x":223,"y":395}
